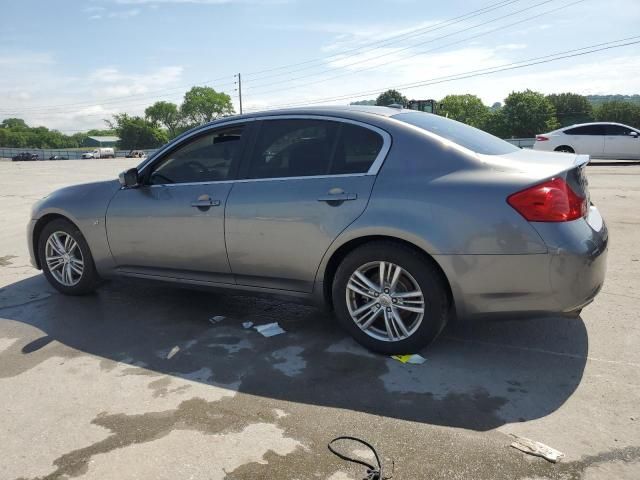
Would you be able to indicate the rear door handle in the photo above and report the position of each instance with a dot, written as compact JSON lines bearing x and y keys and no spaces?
{"x":205,"y":203}
{"x":338,"y":197}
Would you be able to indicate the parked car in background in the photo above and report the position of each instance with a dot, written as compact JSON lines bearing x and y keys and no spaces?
{"x":136,"y":154}
{"x":100,"y":153}
{"x":396,"y":219}
{"x":25,"y":156}
{"x":598,"y":139}
{"x":58,"y":157}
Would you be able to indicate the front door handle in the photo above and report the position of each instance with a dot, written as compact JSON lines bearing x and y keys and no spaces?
{"x":205,"y":203}
{"x":338,"y":197}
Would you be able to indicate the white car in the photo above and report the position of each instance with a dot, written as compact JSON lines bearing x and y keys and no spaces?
{"x":600,"y":140}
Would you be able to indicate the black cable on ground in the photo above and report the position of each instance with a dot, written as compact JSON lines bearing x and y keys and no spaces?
{"x":373,"y":472}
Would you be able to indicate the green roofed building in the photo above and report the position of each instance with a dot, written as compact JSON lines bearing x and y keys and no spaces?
{"x":100,"y":141}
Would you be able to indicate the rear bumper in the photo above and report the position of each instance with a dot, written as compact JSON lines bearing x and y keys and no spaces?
{"x":564,"y":279}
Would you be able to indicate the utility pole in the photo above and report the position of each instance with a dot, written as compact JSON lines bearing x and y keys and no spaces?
{"x":240,"y":91}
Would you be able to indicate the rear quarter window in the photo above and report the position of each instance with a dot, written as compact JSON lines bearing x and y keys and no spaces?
{"x":468,"y":137}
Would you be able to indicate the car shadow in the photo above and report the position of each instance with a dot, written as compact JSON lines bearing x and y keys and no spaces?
{"x":479,"y":378}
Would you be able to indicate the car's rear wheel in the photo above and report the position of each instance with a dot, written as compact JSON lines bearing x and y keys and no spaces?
{"x":65,"y":258}
{"x":564,"y":149}
{"x":390,"y":298}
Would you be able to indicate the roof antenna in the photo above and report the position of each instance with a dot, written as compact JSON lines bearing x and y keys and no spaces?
{"x":395,"y":105}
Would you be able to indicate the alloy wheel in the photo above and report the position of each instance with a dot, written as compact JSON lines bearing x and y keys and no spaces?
{"x":385,"y":301}
{"x":64,"y":258}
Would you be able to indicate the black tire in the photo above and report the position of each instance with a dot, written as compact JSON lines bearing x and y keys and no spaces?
{"x":564,"y":149}
{"x":89,"y":280}
{"x":423,"y":271}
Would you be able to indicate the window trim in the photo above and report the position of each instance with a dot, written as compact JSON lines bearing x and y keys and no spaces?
{"x":373,"y":169}
{"x":249,"y":142}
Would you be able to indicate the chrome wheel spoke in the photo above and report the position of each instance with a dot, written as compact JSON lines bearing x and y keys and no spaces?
{"x":394,"y":280}
{"x":353,"y":286}
{"x":409,"y":308}
{"x":56,"y":245}
{"x":397,"y":320}
{"x":392,"y":331}
{"x":371,"y":318}
{"x":366,"y":306}
{"x":382,"y":273}
{"x":75,"y":268}
{"x":367,"y":282}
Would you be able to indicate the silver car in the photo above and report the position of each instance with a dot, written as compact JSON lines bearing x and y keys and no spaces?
{"x":397,"y":220}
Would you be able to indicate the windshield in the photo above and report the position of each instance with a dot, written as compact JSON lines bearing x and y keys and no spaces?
{"x":464,"y":135}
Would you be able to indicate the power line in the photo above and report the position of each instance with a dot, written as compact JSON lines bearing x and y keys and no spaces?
{"x":385,"y":42}
{"x":393,"y":39}
{"x":416,"y":45}
{"x":476,"y":73}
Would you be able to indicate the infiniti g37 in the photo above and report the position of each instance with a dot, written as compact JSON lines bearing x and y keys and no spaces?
{"x":395,"y":219}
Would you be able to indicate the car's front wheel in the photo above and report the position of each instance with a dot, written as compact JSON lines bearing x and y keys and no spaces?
{"x":66,"y":259}
{"x":390,"y":298}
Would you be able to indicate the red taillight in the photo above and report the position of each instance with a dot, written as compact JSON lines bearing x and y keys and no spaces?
{"x":551,"y":201}
{"x":541,"y":138}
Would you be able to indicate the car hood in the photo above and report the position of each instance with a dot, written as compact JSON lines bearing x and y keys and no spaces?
{"x":78,"y":200}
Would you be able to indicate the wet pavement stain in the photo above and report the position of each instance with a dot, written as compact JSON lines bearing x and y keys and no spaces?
{"x":6,"y":260}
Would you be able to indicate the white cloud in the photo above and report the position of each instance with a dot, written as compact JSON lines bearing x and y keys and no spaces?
{"x":125,"y":13}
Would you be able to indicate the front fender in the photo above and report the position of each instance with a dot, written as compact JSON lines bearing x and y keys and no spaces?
{"x":84,"y":205}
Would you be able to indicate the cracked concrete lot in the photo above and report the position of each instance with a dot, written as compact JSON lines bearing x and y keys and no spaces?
{"x":87,"y":390}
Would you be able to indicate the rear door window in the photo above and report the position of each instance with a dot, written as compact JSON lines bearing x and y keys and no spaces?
{"x":618,"y":130}
{"x":293,"y":148}
{"x":586,"y":130}
{"x":357,"y":149}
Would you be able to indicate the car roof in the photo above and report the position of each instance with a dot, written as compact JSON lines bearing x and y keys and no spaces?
{"x":333,"y":110}
{"x":592,"y":123}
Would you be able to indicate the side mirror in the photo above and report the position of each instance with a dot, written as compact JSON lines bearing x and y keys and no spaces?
{"x":634,"y":134}
{"x":129,"y":178}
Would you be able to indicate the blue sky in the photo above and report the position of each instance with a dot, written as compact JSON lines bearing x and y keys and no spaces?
{"x":70,"y":64}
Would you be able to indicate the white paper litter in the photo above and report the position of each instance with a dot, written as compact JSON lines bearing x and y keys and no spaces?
{"x":247,"y":324}
{"x":217,"y":318}
{"x":538,"y":449}
{"x":270,"y":329}
{"x":172,"y":352}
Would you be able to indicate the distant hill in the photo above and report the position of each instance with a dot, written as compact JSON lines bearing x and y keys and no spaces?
{"x":599,"y":99}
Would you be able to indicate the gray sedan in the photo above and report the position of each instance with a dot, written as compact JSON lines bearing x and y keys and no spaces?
{"x":397,"y":220}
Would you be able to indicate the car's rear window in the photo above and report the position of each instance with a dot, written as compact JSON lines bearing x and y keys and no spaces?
{"x":464,"y":135}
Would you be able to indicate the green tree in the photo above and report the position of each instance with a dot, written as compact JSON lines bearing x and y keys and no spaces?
{"x":619,"y":111}
{"x":203,"y":104}
{"x":468,"y":109}
{"x":390,"y":97}
{"x":571,"y":108}
{"x":496,"y":124}
{"x":14,"y":124}
{"x":363,"y":102}
{"x":165,"y":114}
{"x":137,"y":133}
{"x":528,"y":113}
